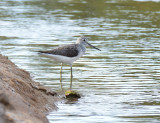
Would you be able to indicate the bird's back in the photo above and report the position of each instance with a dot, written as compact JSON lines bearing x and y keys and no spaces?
{"x":70,"y":50}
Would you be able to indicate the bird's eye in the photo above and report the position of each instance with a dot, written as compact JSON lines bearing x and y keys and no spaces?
{"x":84,"y":40}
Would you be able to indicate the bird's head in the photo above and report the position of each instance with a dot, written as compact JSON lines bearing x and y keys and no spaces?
{"x":84,"y":41}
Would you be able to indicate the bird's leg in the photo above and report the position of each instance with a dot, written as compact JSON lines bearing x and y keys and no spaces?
{"x":61,"y":76}
{"x":71,"y":79}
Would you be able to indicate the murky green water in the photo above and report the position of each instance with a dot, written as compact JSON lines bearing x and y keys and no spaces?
{"x":119,"y":84}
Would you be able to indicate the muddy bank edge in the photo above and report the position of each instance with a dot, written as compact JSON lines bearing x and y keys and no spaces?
{"x":21,"y":99}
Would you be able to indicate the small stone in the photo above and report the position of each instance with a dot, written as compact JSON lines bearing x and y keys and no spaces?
{"x":72,"y":94}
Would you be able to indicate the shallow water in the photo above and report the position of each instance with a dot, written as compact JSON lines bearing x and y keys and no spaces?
{"x":119,"y":83}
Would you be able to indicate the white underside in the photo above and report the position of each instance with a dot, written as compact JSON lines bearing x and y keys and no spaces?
{"x":63,"y":59}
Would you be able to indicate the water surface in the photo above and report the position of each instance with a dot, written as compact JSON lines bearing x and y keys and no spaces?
{"x":119,"y":83}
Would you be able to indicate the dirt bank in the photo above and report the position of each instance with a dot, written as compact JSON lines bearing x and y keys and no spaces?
{"x":21,"y":99}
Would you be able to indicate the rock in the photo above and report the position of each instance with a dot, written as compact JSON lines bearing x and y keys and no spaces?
{"x":4,"y":102}
{"x":22,"y":99}
{"x":72,"y":94}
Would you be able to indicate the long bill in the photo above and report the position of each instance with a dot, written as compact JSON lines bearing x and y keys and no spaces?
{"x":93,"y":46}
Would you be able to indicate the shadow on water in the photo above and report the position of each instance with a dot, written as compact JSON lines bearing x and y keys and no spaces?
{"x":120,"y":83}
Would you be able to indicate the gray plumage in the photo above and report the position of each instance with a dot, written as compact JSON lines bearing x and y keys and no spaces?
{"x":70,"y":50}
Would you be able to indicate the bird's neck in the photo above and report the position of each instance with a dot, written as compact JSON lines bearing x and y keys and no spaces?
{"x":83,"y":48}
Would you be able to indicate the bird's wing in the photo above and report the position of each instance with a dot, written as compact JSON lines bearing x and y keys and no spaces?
{"x":67,"y":50}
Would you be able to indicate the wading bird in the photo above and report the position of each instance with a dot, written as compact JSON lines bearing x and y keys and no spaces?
{"x":68,"y":54}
